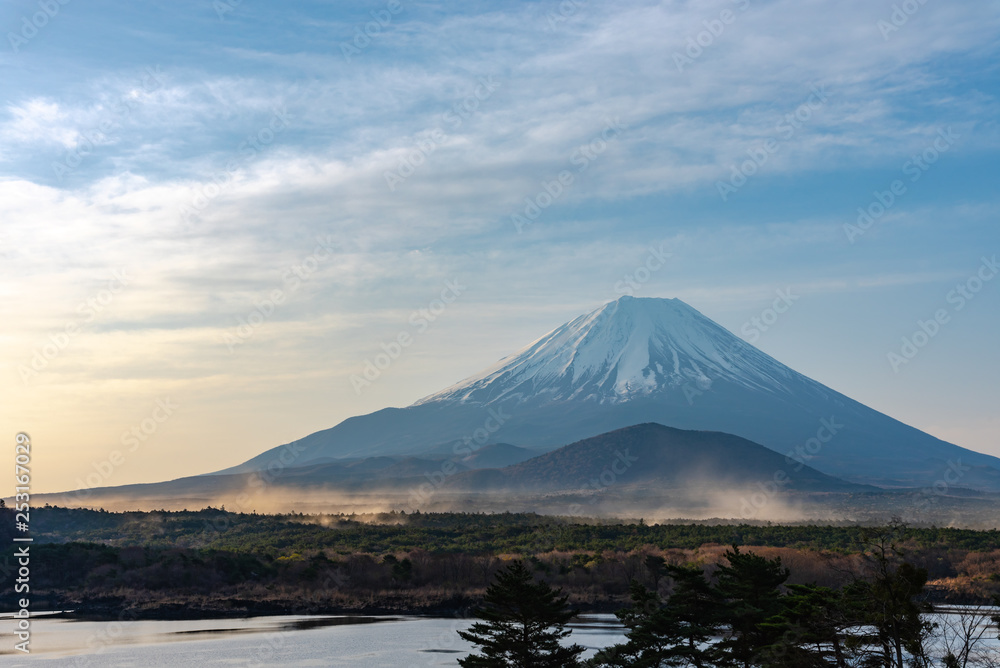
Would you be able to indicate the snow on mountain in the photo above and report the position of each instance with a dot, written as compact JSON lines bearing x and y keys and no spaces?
{"x":635,"y":361}
{"x":626,"y":349}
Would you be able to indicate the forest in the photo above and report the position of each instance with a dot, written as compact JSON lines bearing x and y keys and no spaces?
{"x":212,"y":562}
{"x":745,"y":615}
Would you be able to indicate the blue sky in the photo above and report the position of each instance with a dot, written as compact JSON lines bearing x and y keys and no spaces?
{"x":228,"y":159}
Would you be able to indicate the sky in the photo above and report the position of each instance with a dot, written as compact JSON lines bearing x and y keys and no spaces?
{"x":214,"y":214}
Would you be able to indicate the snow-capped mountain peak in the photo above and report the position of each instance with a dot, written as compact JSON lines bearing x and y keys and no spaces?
{"x":636,"y":361}
{"x":628,"y":348}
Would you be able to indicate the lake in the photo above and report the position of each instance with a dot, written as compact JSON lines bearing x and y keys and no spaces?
{"x":393,"y":642}
{"x":376,"y":641}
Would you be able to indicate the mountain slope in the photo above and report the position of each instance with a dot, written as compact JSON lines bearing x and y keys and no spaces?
{"x":655,"y":456}
{"x":646,"y":468}
{"x":633,"y":361}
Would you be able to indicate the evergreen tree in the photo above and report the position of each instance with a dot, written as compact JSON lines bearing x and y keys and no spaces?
{"x":642,"y":621}
{"x":522,"y":623}
{"x":694,"y":615}
{"x":749,"y":585}
{"x":657,"y":568}
{"x":814,"y":628}
{"x":675,"y":634}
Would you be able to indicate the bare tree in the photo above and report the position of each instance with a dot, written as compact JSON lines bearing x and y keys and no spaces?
{"x":965,"y":634}
{"x":630,"y":565}
{"x":487,"y":565}
{"x":891,"y":596}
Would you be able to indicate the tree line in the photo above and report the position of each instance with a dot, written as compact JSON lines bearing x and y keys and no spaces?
{"x":525,"y":533}
{"x":746,"y":615}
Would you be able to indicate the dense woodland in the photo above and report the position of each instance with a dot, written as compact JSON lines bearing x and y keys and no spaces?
{"x":449,"y":532}
{"x":216,"y":562}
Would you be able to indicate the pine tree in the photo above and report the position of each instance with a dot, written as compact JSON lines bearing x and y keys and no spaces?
{"x":749,"y":584}
{"x":674,"y":634}
{"x":815,"y":628}
{"x":694,"y":613}
{"x":657,"y":568}
{"x":523,"y":621}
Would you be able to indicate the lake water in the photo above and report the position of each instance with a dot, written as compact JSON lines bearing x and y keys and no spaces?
{"x":393,"y":642}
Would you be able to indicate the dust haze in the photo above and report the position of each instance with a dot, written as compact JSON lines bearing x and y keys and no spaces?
{"x":698,"y":501}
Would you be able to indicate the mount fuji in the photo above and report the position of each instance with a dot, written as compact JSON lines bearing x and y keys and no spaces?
{"x":648,"y":360}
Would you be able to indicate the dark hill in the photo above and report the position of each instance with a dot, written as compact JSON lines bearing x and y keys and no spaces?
{"x":655,"y":456}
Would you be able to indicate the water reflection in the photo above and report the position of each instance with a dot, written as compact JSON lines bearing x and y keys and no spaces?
{"x":343,"y":640}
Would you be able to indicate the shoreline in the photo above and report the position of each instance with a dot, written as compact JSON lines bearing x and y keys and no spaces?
{"x":119,"y":610}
